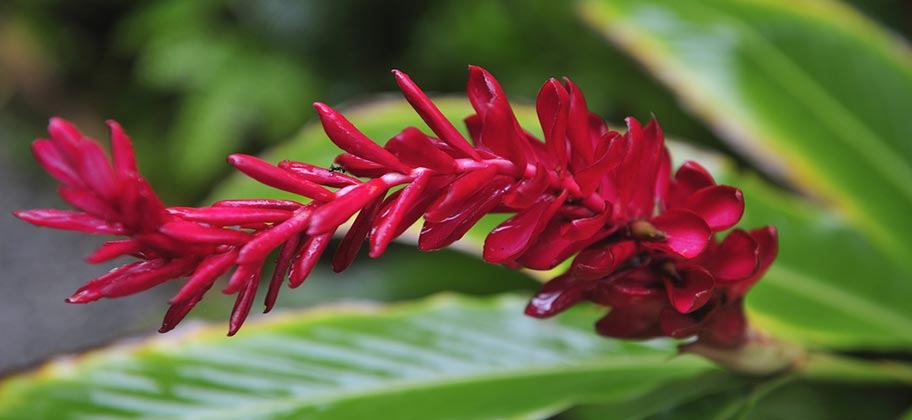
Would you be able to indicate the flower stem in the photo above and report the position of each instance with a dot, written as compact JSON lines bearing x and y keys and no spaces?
{"x":838,"y":368}
{"x":764,"y":355}
{"x":760,"y":355}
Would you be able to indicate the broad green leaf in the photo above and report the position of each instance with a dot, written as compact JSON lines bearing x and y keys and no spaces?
{"x":818,"y":401}
{"x":777,"y":398}
{"x":445,"y":358}
{"x":726,"y":396}
{"x":669,"y":398}
{"x":829,"y":287}
{"x":810,"y":89}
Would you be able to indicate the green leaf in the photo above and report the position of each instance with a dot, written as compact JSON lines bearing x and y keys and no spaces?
{"x":732,"y":403}
{"x":810,"y":89}
{"x":822,"y":367}
{"x":817,"y":401}
{"x":672,"y":397}
{"x":444,"y":358}
{"x":726,"y":396}
{"x":781,"y":398}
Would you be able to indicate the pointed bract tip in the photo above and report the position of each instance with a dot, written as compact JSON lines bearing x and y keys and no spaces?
{"x":83,"y":296}
{"x":553,"y":87}
{"x":631,"y":121}
{"x":57,"y":122}
{"x":478,"y":71}
{"x":238,"y":159}
{"x":534,"y":311}
{"x":401,"y":77}
{"x":233,"y":329}
{"x":62,"y":129}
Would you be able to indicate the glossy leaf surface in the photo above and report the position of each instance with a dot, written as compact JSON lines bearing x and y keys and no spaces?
{"x":444,"y":358}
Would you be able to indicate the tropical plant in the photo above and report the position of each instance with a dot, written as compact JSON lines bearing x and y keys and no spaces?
{"x":830,"y":327}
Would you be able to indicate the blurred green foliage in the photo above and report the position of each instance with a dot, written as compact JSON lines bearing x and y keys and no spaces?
{"x":195,"y":80}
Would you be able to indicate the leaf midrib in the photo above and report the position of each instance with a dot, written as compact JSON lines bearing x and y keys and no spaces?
{"x":397,"y":387}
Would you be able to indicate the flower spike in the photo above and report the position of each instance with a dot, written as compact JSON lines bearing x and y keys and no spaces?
{"x":644,"y":239}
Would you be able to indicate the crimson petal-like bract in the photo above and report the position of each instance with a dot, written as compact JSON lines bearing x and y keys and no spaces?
{"x":646,"y":242}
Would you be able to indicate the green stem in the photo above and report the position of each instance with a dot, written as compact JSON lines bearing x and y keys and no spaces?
{"x":760,"y":355}
{"x":835,"y":368}
{"x":763,"y":355}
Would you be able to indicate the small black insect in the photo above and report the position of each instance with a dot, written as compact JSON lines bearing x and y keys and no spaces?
{"x":336,"y":168}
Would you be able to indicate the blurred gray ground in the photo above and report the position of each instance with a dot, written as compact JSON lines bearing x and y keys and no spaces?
{"x":40,"y":267}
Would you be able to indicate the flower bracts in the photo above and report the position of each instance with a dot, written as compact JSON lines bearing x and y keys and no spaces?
{"x":644,"y":241}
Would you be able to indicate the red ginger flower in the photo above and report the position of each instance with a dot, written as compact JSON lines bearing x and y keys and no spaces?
{"x":644,"y":241}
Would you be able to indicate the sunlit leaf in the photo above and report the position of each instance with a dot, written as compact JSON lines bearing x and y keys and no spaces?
{"x":444,"y":358}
